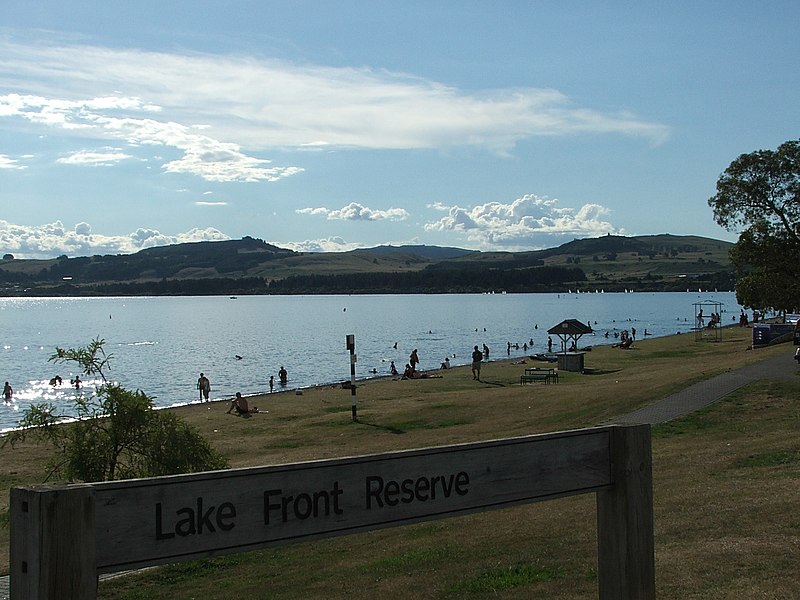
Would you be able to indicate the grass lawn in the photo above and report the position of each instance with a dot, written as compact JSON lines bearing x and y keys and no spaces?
{"x":726,"y":485}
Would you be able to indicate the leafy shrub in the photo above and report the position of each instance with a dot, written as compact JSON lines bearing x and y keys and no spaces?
{"x":118,"y":433}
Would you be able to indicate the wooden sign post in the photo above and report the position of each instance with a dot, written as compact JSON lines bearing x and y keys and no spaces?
{"x":63,"y":536}
{"x":351,"y":345}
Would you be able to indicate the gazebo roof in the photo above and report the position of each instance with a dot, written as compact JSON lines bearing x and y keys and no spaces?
{"x":570,"y":327}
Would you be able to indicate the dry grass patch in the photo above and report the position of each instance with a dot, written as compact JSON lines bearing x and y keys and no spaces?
{"x":702,"y":483}
{"x":726,"y":527}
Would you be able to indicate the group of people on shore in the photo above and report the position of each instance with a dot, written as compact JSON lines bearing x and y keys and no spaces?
{"x":411,"y":370}
{"x":239,"y":404}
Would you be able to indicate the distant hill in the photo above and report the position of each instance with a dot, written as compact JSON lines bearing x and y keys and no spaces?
{"x":422,"y":251}
{"x":251,"y":265}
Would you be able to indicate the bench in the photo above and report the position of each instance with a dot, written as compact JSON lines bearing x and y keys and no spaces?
{"x":538,"y":374}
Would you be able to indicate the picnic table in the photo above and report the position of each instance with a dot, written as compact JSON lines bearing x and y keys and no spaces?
{"x":533,"y":374}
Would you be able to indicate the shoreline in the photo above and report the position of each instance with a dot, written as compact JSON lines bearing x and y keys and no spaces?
{"x":520,"y":360}
{"x":360,"y":381}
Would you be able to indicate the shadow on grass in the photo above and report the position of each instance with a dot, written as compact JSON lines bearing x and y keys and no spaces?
{"x":591,"y":371}
{"x":494,"y":383}
{"x":388,"y":428}
{"x":406,"y":426}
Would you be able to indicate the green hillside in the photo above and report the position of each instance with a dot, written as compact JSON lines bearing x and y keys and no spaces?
{"x":249,"y":265}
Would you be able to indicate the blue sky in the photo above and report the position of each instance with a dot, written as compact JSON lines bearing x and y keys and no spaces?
{"x":327,"y":126}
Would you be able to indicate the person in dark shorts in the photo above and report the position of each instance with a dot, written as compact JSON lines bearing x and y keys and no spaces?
{"x":477,"y":357}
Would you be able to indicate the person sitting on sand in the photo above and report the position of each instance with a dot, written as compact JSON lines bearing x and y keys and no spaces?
{"x":421,"y":375}
{"x":627,"y":343}
{"x":240,"y":405}
{"x":408,"y":372}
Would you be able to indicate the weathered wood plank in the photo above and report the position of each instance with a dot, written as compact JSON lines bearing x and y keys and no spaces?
{"x":168,"y":519}
{"x":626,"y":554}
{"x":62,"y":536}
{"x":53,"y":543}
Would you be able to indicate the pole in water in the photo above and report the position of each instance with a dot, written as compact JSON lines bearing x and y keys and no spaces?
{"x":351,"y":345}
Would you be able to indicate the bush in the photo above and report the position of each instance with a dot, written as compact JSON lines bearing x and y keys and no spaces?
{"x":118,"y":433}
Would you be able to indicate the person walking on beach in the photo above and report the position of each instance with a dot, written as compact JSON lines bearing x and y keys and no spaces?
{"x":271,"y":383}
{"x":8,"y":393}
{"x":204,"y":385}
{"x":477,"y":357}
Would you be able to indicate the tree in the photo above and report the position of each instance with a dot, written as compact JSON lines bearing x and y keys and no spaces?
{"x":118,"y":434}
{"x":759,"y":195}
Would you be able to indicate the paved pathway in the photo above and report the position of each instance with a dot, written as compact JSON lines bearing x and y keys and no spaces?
{"x":707,"y":392}
{"x":688,"y":400}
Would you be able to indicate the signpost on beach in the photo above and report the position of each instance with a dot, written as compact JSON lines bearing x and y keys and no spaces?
{"x":62,"y":537}
{"x":351,"y":345}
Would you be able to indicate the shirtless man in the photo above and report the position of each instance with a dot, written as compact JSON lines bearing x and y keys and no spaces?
{"x":204,"y":385}
{"x":240,"y":405}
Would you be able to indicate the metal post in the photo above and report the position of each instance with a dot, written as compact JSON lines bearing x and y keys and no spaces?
{"x":351,"y":345}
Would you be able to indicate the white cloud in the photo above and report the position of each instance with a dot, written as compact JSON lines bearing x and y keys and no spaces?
{"x":317,"y":212}
{"x":203,"y":156}
{"x":83,"y":228}
{"x":6,"y":162}
{"x":104,"y":157}
{"x":256,"y":103}
{"x":331,"y":244}
{"x":54,"y":239}
{"x":527,"y":223}
{"x":356,"y":212}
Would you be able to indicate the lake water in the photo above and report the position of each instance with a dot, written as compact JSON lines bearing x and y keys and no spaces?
{"x":161,"y":344}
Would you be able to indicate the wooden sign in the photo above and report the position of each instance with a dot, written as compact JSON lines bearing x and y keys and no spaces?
{"x":137,"y":523}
